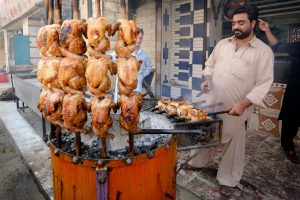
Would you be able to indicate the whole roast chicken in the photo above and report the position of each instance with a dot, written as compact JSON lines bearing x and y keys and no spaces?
{"x":70,"y":36}
{"x":41,"y":71}
{"x":96,"y":34}
{"x":130,"y":109}
{"x":50,"y":78}
{"x":50,"y":104}
{"x":96,"y":74}
{"x":127,"y":37}
{"x":74,"y":112}
{"x":53,"y":107}
{"x":43,"y":96}
{"x":71,"y":75}
{"x":48,"y":40}
{"x":127,"y":73}
{"x":101,"y":119}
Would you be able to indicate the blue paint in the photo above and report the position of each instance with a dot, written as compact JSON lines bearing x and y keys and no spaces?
{"x":183,"y":54}
{"x":165,"y":53}
{"x":184,"y":20}
{"x":196,"y":83}
{"x":183,"y":76}
{"x":166,"y":90}
{"x":185,"y":92}
{"x":166,"y":19}
{"x":184,"y":8}
{"x":184,"y":43}
{"x":198,"y":4}
{"x":183,"y":31}
{"x":198,"y":30}
{"x":197,"y":57}
{"x":21,"y":50}
{"x":183,"y":65}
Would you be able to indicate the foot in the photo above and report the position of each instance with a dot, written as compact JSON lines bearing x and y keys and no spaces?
{"x":292,"y":156}
{"x":226,"y":190}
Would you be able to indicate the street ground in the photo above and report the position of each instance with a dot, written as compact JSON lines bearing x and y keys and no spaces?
{"x":16,"y":182}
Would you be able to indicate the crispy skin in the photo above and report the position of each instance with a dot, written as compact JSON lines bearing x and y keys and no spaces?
{"x":127,"y":37}
{"x":71,"y":75}
{"x":50,"y":104}
{"x":48,"y":40}
{"x":96,"y":75}
{"x":101,"y":119}
{"x":70,"y":36}
{"x":74,"y":111}
{"x":96,"y":33}
{"x":183,"y":109}
{"x":130,"y":111}
{"x":127,"y":73}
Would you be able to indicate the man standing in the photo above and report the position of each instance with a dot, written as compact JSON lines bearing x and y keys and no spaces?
{"x":289,"y":113}
{"x":238,"y":73}
{"x":146,"y":66}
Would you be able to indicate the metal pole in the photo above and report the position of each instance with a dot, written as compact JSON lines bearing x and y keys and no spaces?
{"x":103,"y":151}
{"x":51,"y":12}
{"x":45,"y":139}
{"x":58,"y":136}
{"x":131,"y":144}
{"x":75,"y":10}
{"x":97,"y":8}
{"x":57,"y":11}
{"x":78,"y":144}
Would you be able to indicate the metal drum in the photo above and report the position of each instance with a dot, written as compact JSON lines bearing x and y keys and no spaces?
{"x":147,"y":176}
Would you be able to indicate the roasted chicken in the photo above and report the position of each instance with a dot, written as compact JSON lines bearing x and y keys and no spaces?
{"x":96,"y":34}
{"x":43,"y":96}
{"x":50,"y":79}
{"x":101,"y":119}
{"x":171,"y":109}
{"x":127,"y":73}
{"x":162,"y":104}
{"x":96,"y":74}
{"x":196,"y":115}
{"x":71,"y":75}
{"x":74,"y":111}
{"x":41,"y":71}
{"x":70,"y":36}
{"x":50,"y":104}
{"x":53,"y":107}
{"x":183,"y":109}
{"x":128,"y":31}
{"x":48,"y":40}
{"x":127,"y":37}
{"x":130,"y":109}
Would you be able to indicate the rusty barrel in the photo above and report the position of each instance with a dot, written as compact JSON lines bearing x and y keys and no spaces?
{"x":146,"y":176}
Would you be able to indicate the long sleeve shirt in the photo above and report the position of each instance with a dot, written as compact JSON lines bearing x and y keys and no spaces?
{"x":243,"y":73}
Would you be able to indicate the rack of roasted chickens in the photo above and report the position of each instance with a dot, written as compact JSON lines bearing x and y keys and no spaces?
{"x":69,"y":66}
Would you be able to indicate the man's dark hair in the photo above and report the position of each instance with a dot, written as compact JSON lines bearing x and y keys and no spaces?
{"x":251,"y":10}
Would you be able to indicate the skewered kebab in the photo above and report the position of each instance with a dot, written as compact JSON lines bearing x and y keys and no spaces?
{"x":97,"y":77}
{"x":50,"y":102}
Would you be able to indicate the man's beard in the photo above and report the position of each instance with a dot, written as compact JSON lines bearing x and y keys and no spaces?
{"x":239,"y":34}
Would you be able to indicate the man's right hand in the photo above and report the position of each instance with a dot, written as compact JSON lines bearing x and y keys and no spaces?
{"x":206,"y":85}
{"x":264,"y":26}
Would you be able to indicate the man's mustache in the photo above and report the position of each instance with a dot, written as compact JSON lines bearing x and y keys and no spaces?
{"x":237,"y":30}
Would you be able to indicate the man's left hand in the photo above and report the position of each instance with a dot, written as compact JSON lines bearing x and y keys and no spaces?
{"x":238,"y":108}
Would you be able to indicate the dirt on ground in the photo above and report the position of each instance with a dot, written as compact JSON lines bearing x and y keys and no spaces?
{"x":15,"y":180}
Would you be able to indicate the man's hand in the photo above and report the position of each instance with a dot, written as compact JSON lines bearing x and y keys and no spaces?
{"x":238,"y":108}
{"x":264,"y":26}
{"x":206,"y":85}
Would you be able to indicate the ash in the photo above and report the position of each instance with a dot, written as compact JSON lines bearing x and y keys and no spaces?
{"x":93,"y":150}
